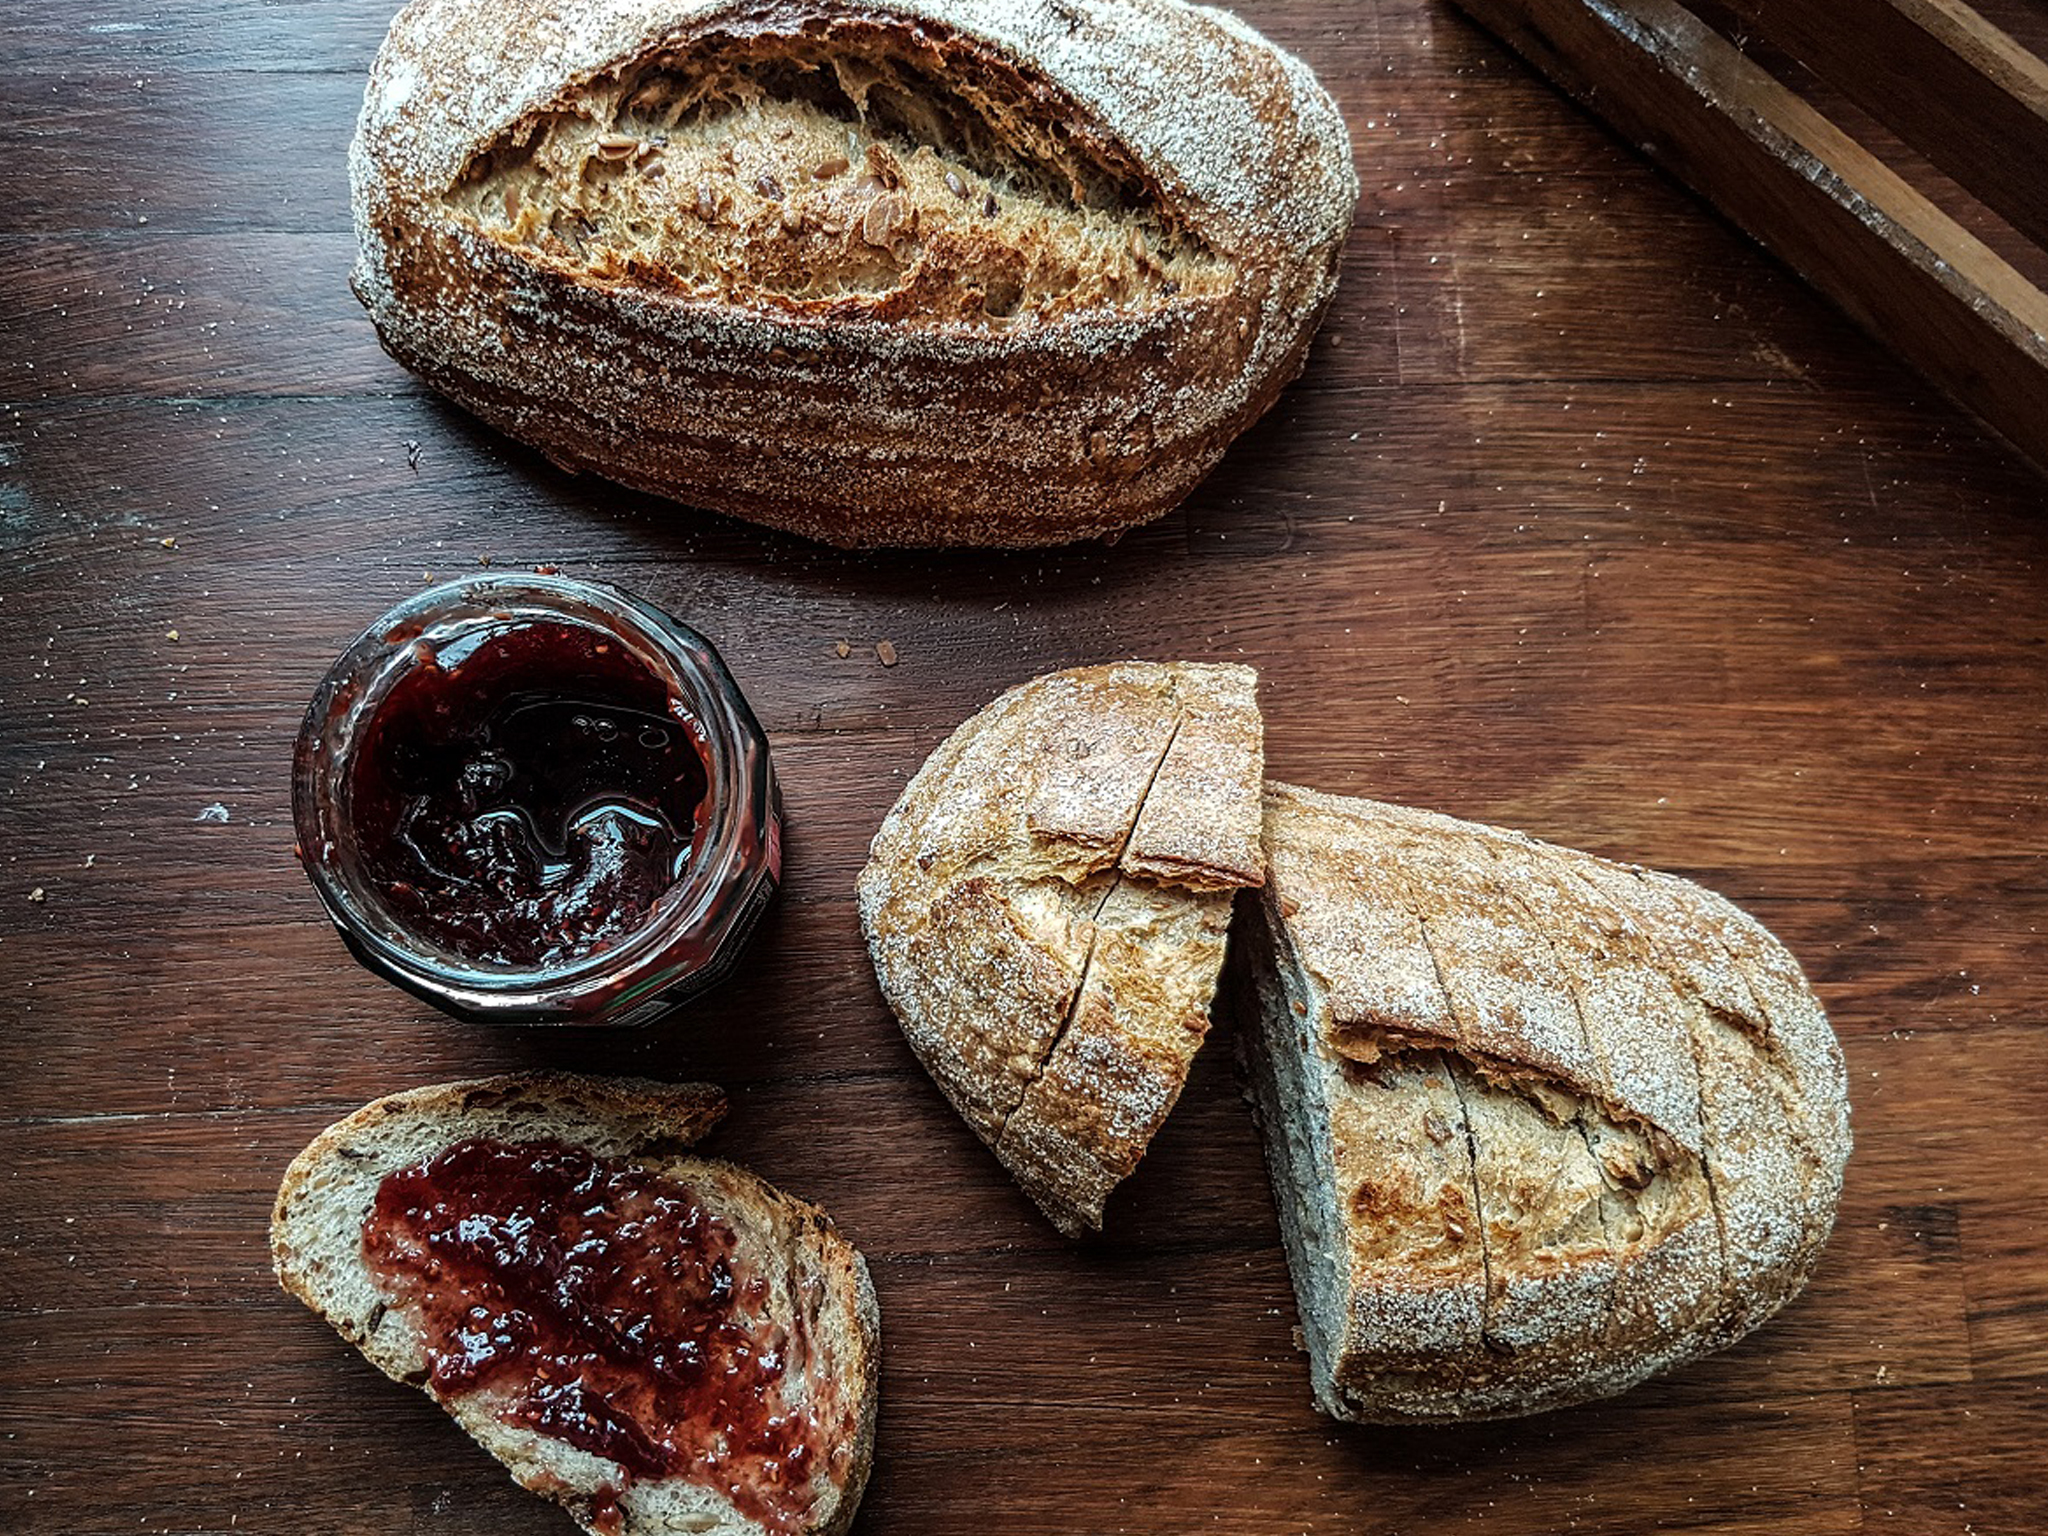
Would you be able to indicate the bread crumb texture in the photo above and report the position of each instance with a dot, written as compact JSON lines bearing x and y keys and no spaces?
{"x":793,"y":171}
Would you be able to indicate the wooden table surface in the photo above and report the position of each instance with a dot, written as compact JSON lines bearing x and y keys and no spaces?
{"x":1586,"y":518}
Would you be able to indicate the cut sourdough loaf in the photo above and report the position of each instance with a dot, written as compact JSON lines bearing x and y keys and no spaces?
{"x":1539,"y":1124}
{"x":911,"y":272}
{"x":1046,"y":908}
{"x":715,"y":1291}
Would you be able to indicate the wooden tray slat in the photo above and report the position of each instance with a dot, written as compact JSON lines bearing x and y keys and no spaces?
{"x":1903,"y":269}
{"x":1961,"y":92}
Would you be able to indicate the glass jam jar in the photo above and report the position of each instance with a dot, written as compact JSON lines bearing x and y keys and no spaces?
{"x":533,"y":800}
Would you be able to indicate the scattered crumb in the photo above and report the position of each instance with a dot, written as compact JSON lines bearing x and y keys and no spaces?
{"x":168,"y":543}
{"x":547,"y":570}
{"x":412,"y":455}
{"x":483,"y":560}
{"x":36,"y":894}
{"x":89,"y":859}
{"x":170,"y":634}
{"x":215,"y":812}
{"x":427,"y":576}
{"x":842,"y":649}
{"x":887,"y":652}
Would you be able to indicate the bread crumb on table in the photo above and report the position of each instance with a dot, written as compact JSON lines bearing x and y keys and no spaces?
{"x":887,"y":652}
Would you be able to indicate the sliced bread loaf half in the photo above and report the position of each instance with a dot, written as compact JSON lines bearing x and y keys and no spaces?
{"x":1539,"y":1124}
{"x":1046,"y":908}
{"x":661,"y":1344}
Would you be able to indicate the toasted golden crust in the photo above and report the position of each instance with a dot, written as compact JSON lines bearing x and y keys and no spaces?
{"x":1046,"y":908}
{"x":1034,"y":304}
{"x":316,"y":1245}
{"x":1534,"y":1125}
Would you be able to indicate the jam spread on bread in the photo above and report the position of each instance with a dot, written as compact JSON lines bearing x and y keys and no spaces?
{"x":603,"y":1307}
{"x":525,"y":795}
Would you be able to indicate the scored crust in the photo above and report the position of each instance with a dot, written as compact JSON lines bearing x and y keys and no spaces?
{"x":1539,"y":1124}
{"x":1185,"y":190}
{"x":316,"y":1246}
{"x":1046,"y":908}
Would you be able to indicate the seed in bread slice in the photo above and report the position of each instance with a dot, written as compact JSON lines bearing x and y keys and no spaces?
{"x":1046,"y":908}
{"x":660,"y":1343}
{"x":1539,"y":1124}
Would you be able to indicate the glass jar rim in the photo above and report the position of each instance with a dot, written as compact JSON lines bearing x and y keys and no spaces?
{"x":347,"y":698}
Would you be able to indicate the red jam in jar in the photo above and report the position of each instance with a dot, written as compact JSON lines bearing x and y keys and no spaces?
{"x":538,"y":800}
{"x":527,"y":801}
{"x":598,"y":1303}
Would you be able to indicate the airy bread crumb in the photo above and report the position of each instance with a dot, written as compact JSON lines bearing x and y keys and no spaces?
{"x":804,"y":173}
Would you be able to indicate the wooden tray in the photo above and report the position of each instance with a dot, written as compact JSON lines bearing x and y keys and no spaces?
{"x":1961,"y":105}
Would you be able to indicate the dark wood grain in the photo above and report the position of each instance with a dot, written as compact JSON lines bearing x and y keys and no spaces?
{"x":1586,"y":518}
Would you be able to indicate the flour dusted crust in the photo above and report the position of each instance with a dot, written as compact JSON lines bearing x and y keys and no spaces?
{"x":316,"y":1245}
{"x":1047,"y":903}
{"x":1539,"y":1124}
{"x":874,"y":356}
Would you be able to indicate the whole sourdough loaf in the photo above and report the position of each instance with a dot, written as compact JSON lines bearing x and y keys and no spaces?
{"x":776,"y":1299}
{"x":1539,"y":1124}
{"x":915,"y":272}
{"x":1046,"y":908}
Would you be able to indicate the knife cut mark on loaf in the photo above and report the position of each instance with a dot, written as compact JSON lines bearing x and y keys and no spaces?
{"x":1645,"y":1157}
{"x":1759,"y":1087}
{"x":1095,"y":930}
{"x":1536,"y":1261}
{"x":1654,"y":1041}
{"x":1516,"y":1050}
{"x":1651,"y":1160}
{"x":1635,"y":1026}
{"x":1085,"y":818}
{"x":1093,"y":926}
{"x":832,"y":167}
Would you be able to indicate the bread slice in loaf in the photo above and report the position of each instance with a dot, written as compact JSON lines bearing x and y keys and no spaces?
{"x":917,"y":272}
{"x":778,"y":1361}
{"x":1539,"y":1124}
{"x":1046,"y":907}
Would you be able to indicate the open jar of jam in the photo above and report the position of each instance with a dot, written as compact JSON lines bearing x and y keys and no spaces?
{"x":534,"y":800}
